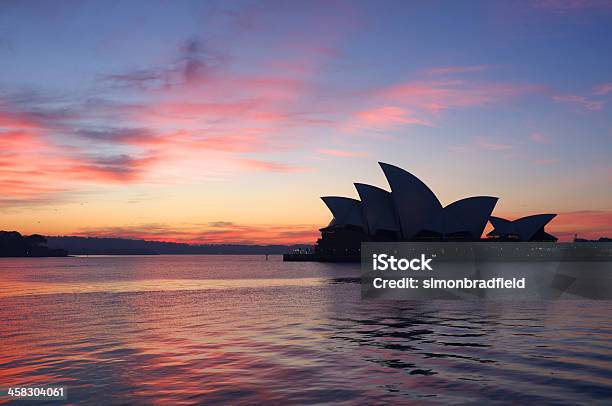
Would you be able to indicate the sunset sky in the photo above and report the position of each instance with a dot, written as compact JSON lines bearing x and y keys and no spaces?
{"x":225,"y":121}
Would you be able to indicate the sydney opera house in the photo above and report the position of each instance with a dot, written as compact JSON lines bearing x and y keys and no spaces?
{"x":412,"y":212}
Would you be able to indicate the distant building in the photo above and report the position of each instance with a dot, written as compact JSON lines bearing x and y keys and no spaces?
{"x":412,"y":212}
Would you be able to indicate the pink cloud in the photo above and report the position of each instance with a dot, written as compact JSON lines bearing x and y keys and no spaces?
{"x":452,"y":70}
{"x":197,"y":113}
{"x":486,"y":144}
{"x":269,"y":166}
{"x":193,"y":119}
{"x":568,"y":6}
{"x":590,"y":224}
{"x":603,"y":89}
{"x":549,"y":161}
{"x":121,"y":169}
{"x":248,"y":141}
{"x":25,"y":160}
{"x":16,"y":121}
{"x":435,"y":96}
{"x":33,"y":167}
{"x":386,"y":117}
{"x":220,"y":232}
{"x":419,"y":102}
{"x":593,"y":105}
{"x":342,"y":153}
{"x":539,"y":138}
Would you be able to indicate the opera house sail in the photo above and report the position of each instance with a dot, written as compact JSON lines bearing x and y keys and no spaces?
{"x":530,"y":228}
{"x":410,"y":211}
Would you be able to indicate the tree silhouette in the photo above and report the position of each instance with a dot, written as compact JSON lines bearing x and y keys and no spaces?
{"x":13,"y":244}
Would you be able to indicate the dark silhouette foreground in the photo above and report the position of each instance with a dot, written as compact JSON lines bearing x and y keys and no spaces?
{"x":13,"y":244}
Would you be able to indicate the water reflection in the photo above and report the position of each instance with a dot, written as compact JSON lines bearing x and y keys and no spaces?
{"x":512,"y":349}
{"x":151,"y":285}
{"x":306,"y":339}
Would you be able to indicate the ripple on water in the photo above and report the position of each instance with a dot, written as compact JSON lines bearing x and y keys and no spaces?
{"x":308,"y":338}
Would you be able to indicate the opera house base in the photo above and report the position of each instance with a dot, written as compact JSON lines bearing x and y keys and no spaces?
{"x":488,"y":250}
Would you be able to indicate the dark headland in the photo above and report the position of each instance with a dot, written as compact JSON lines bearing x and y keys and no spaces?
{"x":13,"y":244}
{"x":125,"y":246}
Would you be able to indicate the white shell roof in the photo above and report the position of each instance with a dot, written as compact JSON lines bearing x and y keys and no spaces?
{"x":415,"y":204}
{"x":346,"y":211}
{"x":378,"y":209}
{"x":524,"y":227}
{"x":411,"y":207}
{"x":473,"y":212}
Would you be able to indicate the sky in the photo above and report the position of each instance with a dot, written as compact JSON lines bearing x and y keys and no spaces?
{"x":224,"y":121}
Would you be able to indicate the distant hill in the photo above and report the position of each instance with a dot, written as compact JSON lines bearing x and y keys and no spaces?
{"x":124,"y":246}
{"x":13,"y":244}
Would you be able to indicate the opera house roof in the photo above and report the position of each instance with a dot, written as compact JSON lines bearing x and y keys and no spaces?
{"x":410,"y":210}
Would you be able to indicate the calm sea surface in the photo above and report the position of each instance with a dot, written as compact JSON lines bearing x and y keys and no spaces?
{"x":243,"y":330}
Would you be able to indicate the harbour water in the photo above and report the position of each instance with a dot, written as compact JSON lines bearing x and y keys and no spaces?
{"x":243,"y":330}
